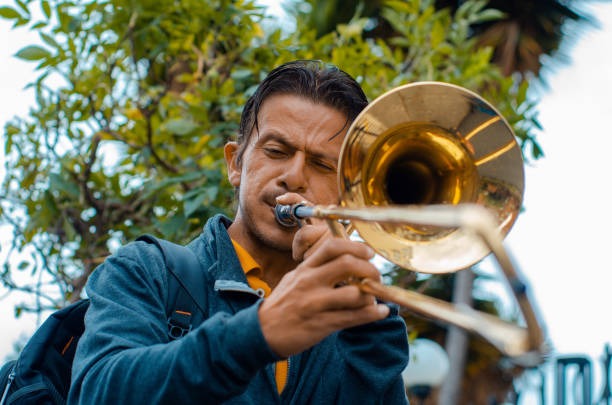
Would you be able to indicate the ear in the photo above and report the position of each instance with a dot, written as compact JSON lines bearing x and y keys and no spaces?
{"x":234,"y":169}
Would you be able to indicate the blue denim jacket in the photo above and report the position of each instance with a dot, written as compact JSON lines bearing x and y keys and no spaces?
{"x":125,"y":356}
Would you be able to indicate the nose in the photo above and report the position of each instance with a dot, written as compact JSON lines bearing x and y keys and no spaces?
{"x":293,"y":177}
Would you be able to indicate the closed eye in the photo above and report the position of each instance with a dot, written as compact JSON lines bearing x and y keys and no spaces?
{"x":275,"y":152}
{"x":324,"y":166}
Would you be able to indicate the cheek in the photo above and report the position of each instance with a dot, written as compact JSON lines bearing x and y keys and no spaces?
{"x":326,"y":190}
{"x":254,"y":178}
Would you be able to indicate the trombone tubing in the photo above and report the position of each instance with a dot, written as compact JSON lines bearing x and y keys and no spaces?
{"x":508,"y":338}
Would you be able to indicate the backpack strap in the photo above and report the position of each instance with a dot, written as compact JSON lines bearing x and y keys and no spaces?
{"x":41,"y":373}
{"x":186,"y":293}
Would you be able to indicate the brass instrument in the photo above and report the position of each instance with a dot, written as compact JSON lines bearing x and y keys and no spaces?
{"x":431,"y":177}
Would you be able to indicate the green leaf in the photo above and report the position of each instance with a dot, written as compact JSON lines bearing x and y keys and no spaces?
{"x":38,"y":25}
{"x":9,"y":13}
{"x":241,"y":74}
{"x":193,"y":204}
{"x":437,"y":34}
{"x":32,"y":53}
{"x":202,"y":196}
{"x":57,"y":182}
{"x":50,"y":206}
{"x":21,"y":22}
{"x":68,"y":229}
{"x":23,"y":6}
{"x":49,"y":40}
{"x":489,"y":15}
{"x":46,"y":8}
{"x":181,"y":126}
{"x":172,"y":225}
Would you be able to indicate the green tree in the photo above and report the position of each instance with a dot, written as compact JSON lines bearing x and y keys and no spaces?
{"x":529,"y":32}
{"x":526,"y":34}
{"x":134,"y":100}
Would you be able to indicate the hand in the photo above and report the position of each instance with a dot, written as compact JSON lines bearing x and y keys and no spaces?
{"x":313,"y":231}
{"x":307,"y":305}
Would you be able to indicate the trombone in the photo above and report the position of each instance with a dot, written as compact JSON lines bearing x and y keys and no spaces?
{"x":431,"y":177}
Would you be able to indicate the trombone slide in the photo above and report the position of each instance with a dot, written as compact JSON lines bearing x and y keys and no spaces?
{"x":525,"y":345}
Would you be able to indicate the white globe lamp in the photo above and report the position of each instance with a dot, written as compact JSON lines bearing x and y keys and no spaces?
{"x":427,"y":368}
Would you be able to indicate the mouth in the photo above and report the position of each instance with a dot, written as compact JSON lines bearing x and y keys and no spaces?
{"x":270,"y":201}
{"x":279,"y":222}
{"x":270,"y":198}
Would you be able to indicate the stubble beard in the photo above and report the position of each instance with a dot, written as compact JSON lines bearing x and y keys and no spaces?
{"x":263,"y":239}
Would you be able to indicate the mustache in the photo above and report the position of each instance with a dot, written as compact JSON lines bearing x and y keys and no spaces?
{"x":271,"y":196}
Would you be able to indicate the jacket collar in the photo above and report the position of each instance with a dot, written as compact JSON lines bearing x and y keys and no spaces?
{"x":225,"y":268}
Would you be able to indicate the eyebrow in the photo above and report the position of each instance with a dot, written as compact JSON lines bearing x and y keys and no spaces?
{"x":276,"y":137}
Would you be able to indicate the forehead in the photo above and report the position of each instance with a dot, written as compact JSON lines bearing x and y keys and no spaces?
{"x":301,"y":122}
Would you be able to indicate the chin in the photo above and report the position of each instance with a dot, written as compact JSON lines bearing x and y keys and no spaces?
{"x":269,"y":233}
{"x":280,"y":238}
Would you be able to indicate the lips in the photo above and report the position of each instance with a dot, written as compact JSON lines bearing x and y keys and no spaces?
{"x":270,"y":197}
{"x":270,"y":200}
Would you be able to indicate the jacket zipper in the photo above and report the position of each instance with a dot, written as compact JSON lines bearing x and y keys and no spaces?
{"x":286,"y":382}
{"x":10,"y":379}
{"x":288,"y":373}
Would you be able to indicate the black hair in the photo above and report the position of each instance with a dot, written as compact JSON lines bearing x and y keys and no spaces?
{"x":312,"y":79}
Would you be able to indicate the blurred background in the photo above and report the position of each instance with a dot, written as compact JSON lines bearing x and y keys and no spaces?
{"x":113,"y":115}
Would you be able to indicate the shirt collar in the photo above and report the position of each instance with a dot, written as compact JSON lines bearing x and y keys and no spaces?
{"x":249,"y":265}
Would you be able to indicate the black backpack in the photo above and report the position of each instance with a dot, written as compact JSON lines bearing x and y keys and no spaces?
{"x":41,"y":374}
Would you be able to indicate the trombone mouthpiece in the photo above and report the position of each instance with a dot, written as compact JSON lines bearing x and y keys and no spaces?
{"x":292,"y":215}
{"x":285,"y":215}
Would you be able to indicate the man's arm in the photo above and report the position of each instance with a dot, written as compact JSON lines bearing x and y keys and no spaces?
{"x":372,"y":338}
{"x":125,"y":357}
{"x":375,"y":355}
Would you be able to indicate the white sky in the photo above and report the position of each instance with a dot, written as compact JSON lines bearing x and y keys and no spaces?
{"x":560,"y":242}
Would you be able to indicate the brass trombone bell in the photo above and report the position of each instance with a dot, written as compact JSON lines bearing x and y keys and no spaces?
{"x":430,"y":143}
{"x":431,"y":177}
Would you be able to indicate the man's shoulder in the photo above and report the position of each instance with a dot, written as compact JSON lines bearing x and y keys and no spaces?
{"x":213,"y":239}
{"x":216,"y":227}
{"x":215,"y":250}
{"x":137,"y":259}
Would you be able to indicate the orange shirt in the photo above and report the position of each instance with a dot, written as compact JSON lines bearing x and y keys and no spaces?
{"x":254,"y":275}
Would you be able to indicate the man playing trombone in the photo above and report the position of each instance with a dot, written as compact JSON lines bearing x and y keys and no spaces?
{"x":283,"y":325}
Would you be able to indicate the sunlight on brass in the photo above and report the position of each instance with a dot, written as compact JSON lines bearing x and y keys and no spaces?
{"x":431,"y":177}
{"x":430,"y":143}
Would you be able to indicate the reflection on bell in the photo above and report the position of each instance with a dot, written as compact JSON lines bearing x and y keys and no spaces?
{"x":431,"y":177}
{"x":430,"y":143}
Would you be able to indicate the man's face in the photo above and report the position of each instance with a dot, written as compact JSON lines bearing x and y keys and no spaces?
{"x":294,"y":151}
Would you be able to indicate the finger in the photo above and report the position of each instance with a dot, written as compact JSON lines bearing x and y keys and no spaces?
{"x":335,"y":273}
{"x":333,"y":248}
{"x":309,"y":237}
{"x":295,"y":198}
{"x":337,"y":230}
{"x":345,"y":297}
{"x":348,"y":318}
{"x":291,"y":198}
